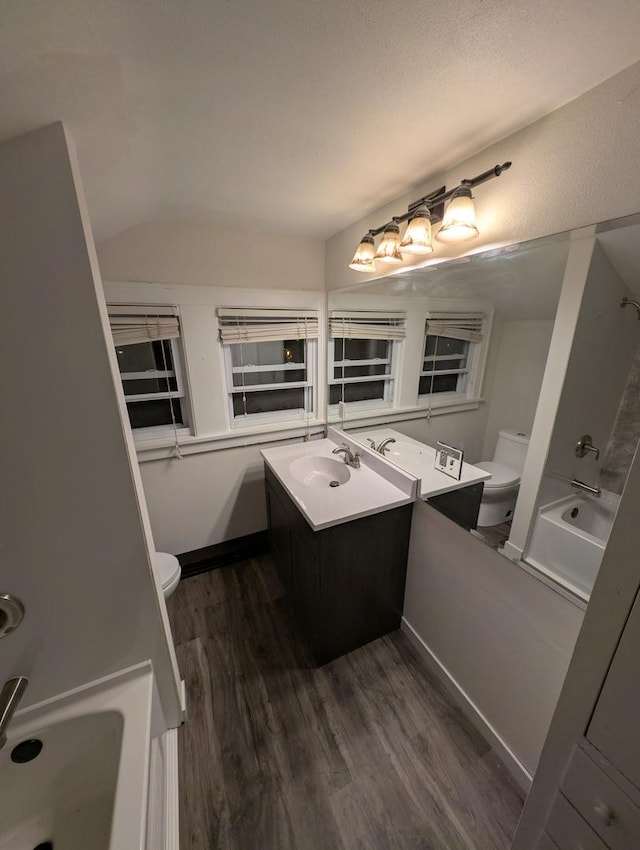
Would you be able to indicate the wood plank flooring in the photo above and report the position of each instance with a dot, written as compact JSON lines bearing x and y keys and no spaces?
{"x":494,"y":535}
{"x":366,"y":752}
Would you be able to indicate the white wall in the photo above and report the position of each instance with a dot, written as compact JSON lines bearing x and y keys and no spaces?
{"x":213,"y":254}
{"x":216,"y":491}
{"x":512,"y":399}
{"x":74,"y":533}
{"x":573,"y":167}
{"x":604,"y":346}
{"x":500,"y":637}
{"x":573,"y":286}
{"x":205,"y":498}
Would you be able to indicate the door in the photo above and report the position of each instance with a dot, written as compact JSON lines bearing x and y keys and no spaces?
{"x":614,"y":726}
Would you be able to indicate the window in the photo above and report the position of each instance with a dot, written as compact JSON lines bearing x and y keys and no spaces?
{"x":270,"y":364}
{"x":362,"y":357}
{"x":449,"y":358}
{"x":146,"y":341}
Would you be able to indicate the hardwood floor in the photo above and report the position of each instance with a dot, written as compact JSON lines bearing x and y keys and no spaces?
{"x":494,"y":535}
{"x":366,"y":752}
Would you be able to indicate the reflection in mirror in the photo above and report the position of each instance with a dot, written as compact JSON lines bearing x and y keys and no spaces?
{"x":472,"y":353}
{"x":597,"y":421}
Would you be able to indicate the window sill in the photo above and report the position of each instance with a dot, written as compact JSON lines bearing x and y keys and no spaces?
{"x":162,"y":449}
{"x":374,"y":416}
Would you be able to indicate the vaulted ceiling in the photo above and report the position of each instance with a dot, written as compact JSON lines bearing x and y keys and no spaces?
{"x":292,"y":115}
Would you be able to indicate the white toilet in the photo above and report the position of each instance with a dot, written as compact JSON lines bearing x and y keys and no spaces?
{"x":168,"y":571}
{"x":501,"y":490}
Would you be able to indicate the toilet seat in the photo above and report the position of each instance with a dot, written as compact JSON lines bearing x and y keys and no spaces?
{"x":168,"y":568}
{"x":501,"y":476}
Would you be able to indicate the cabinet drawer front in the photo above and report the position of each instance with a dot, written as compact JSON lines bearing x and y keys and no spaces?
{"x":607,"y":809}
{"x":568,"y":829}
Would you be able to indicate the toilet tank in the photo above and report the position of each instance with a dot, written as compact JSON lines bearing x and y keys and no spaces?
{"x":511,"y":449}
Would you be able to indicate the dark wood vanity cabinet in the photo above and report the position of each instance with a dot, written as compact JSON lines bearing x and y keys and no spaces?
{"x":460,"y":506}
{"x":345,"y":583}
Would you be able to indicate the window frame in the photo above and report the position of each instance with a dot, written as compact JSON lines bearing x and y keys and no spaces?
{"x":473,"y":374}
{"x":390,"y":380}
{"x":463,"y":374}
{"x":310,"y":387}
{"x":152,"y":432}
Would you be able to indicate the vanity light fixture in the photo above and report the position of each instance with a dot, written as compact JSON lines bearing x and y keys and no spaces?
{"x":417,"y":236}
{"x":458,"y":224}
{"x":389,"y":247}
{"x":363,"y":260}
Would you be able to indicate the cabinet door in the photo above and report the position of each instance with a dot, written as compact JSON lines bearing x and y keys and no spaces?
{"x":614,"y":728}
{"x":569,"y":829}
{"x":306,"y":592}
{"x":279,"y":537}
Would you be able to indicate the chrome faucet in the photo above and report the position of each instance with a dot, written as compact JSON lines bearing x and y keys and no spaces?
{"x":585,"y":445}
{"x":10,"y":696}
{"x":382,"y":445}
{"x":350,"y":458}
{"x":580,"y":485}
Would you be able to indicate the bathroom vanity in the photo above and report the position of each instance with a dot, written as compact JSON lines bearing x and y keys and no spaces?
{"x":457,"y":498}
{"x":341,"y":551}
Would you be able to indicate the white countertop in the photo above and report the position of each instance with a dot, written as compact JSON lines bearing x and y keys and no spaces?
{"x":371,"y":489}
{"x":418,"y":459}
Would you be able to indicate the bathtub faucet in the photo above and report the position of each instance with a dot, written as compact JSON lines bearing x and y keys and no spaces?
{"x":584,"y":445}
{"x":580,"y":485}
{"x":10,"y":696}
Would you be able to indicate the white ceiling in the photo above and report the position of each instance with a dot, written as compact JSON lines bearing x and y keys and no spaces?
{"x":294,"y":115}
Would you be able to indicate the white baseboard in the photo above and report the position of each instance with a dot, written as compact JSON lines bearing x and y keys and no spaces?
{"x":514,"y":553}
{"x":506,"y":754}
{"x":172,"y":817}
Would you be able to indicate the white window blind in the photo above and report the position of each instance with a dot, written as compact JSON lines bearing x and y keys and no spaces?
{"x":131,"y":325}
{"x":363,"y":324}
{"x":465,"y":326}
{"x":256,"y":325}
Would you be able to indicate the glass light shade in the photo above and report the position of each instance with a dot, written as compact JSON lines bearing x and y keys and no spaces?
{"x":417,"y":236}
{"x":459,"y":222}
{"x":363,"y":259}
{"x":389,"y":247}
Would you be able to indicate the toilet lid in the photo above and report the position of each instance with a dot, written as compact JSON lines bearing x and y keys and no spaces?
{"x":501,"y":476}
{"x":168,"y":567}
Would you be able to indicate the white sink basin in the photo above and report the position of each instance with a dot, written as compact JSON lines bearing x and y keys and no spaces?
{"x":400,"y":452}
{"x":306,"y":471}
{"x":320,"y":472}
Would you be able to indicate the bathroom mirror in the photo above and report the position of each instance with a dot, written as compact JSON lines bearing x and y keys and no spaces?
{"x":457,"y":352}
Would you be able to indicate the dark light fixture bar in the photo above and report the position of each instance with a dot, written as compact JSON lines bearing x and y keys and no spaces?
{"x":458,"y":223}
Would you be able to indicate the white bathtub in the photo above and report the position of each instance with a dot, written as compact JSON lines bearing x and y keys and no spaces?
{"x":88,"y":786}
{"x":569,"y":538}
